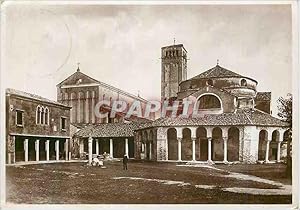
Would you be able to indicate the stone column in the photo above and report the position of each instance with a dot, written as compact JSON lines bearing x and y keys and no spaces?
{"x":78,"y":107}
{"x":26,"y":149}
{"x":97,"y":146}
{"x":150,"y":150}
{"x":179,"y":139}
{"x":87,"y":111}
{"x":90,"y":149}
{"x":209,"y":149}
{"x":193,"y":137}
{"x":93,"y":107}
{"x":111,"y":148}
{"x":194,"y":148}
{"x":126,"y":147}
{"x":67,"y":148}
{"x":47,"y":148}
{"x":267,"y":151}
{"x":225,"y":140}
{"x":81,"y":146}
{"x":37,"y":150}
{"x":71,"y":110}
{"x":209,"y":139}
{"x":145,"y":151}
{"x":57,"y":149}
{"x":278,"y":151}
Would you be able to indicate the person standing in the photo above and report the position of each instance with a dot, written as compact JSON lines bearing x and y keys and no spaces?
{"x":125,"y":161}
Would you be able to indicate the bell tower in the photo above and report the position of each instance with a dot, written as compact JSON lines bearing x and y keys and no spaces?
{"x":173,"y":69}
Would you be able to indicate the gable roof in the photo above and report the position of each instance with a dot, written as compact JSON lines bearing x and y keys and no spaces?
{"x":218,"y":72}
{"x":31,"y":96}
{"x":72,"y":79}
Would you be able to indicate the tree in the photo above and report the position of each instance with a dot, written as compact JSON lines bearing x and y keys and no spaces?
{"x":285,"y":109}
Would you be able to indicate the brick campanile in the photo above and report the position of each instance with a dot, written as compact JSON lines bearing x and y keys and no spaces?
{"x":173,"y":69}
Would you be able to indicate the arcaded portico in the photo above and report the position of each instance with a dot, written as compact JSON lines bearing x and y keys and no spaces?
{"x":209,"y":139}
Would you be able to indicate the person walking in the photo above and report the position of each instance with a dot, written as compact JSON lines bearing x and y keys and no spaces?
{"x":125,"y":161}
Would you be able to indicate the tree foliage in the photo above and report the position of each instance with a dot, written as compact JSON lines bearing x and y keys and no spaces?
{"x":285,"y":108}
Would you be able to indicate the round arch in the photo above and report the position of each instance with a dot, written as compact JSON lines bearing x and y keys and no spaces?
{"x":209,"y":101}
{"x":38,"y":114}
{"x":233,"y":144}
{"x":273,"y":149}
{"x":217,"y":144}
{"x":186,"y":144}
{"x":243,"y":83}
{"x":201,"y":135}
{"x":172,"y":144}
{"x":263,"y":137}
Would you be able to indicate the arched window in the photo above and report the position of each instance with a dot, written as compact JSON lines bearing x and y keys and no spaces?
{"x":209,"y":102}
{"x":42,"y":115}
{"x":243,"y":82}
{"x":46,"y":116}
{"x":38,"y":115}
{"x":209,"y":82}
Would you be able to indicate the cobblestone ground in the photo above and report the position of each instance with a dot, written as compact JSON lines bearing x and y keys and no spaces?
{"x":147,"y":182}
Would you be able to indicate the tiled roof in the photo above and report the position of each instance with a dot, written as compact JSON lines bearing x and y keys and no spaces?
{"x":108,"y":130}
{"x":240,"y":117}
{"x":217,"y":72}
{"x":263,"y":96}
{"x":32,"y":96}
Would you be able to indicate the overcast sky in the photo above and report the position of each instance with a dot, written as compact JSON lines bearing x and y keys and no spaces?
{"x":120,"y":45}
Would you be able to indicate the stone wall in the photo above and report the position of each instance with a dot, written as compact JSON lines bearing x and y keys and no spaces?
{"x":250,"y":144}
{"x":30,"y":127}
{"x":162,"y":144}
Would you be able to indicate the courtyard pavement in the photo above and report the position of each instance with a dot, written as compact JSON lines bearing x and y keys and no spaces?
{"x":147,"y":182}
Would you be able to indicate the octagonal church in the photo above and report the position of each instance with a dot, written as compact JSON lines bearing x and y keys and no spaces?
{"x":235,"y":122}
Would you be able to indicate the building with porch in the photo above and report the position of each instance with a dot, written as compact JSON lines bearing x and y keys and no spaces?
{"x":115,"y":139}
{"x":234,"y":124}
{"x":37,"y":129}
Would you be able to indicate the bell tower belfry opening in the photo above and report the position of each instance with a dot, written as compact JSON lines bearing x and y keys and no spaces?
{"x":173,"y":69}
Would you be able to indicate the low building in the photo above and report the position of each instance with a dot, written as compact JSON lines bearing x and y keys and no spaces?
{"x":114,"y":139}
{"x":37,"y":129}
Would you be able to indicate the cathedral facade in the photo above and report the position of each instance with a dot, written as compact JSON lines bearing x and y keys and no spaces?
{"x":82,"y":93}
{"x":235,"y":124}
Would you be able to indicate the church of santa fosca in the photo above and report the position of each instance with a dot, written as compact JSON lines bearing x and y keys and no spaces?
{"x":235,"y":125}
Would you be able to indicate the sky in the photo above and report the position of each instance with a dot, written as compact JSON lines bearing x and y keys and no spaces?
{"x":121,"y":44}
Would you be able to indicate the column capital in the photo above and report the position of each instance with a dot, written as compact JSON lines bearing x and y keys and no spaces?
{"x":90,"y":139}
{"x":193,"y":131}
{"x":225,"y":129}
{"x":225,"y":138}
{"x":179,"y":139}
{"x":209,"y":138}
{"x":194,"y":138}
{"x":179,"y":132}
